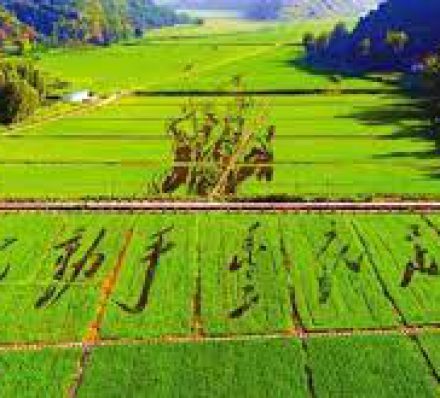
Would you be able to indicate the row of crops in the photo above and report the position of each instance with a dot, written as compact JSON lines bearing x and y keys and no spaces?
{"x":362,"y":366}
{"x":324,"y":146}
{"x":215,"y":274}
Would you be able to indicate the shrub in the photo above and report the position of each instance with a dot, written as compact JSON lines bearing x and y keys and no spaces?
{"x":18,"y":100}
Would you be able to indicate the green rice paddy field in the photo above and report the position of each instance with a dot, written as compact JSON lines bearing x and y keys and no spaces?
{"x":219,"y":313}
{"x":101,"y":304}
{"x":333,"y":144}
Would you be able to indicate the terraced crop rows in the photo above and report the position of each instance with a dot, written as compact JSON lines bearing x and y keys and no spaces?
{"x":330,"y":143}
{"x":115,"y":151}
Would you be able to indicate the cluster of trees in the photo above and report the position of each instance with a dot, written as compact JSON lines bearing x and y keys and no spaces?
{"x":330,"y":49}
{"x":22,"y":88}
{"x":398,"y":35}
{"x":401,"y":35}
{"x":431,"y":85}
{"x":93,"y":21}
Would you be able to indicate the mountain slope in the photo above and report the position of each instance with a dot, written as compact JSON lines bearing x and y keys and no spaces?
{"x":303,"y":8}
{"x":322,"y":8}
{"x":98,"y":21}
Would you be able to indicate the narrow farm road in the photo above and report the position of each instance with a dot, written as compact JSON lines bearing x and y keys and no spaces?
{"x":191,"y":338}
{"x":84,"y":108}
{"x":422,"y":206}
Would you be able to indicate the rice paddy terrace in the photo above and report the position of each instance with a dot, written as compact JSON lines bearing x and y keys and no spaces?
{"x":340,"y":138}
{"x":212,"y":302}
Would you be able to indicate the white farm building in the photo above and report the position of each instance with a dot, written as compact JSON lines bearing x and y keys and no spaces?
{"x":78,"y":96}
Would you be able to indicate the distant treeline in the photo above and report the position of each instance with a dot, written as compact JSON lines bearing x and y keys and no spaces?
{"x":92,"y":21}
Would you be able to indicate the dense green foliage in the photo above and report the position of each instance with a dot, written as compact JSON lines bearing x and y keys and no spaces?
{"x":194,"y":304}
{"x":93,"y":21}
{"x":22,"y":86}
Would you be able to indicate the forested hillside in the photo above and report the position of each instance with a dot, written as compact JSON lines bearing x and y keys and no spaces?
{"x":12,"y":31}
{"x":96,"y":21}
{"x":399,"y":34}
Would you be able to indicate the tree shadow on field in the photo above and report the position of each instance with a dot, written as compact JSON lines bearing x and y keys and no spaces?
{"x":406,"y":114}
{"x":412,"y":122}
{"x":335,"y":75}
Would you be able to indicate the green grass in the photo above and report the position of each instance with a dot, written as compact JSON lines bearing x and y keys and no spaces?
{"x":245,"y":369}
{"x":47,"y":373}
{"x":364,"y":367}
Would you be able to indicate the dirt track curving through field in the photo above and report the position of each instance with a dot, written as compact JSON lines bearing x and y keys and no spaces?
{"x":217,"y":206}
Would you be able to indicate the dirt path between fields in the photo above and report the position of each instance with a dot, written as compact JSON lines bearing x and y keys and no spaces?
{"x":92,"y":336}
{"x":107,"y":288}
{"x":217,"y":206}
{"x":191,"y":338}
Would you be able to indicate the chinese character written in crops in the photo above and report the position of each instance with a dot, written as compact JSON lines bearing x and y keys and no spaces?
{"x":160,"y":245}
{"x":247,"y":262}
{"x":335,"y":251}
{"x":421,"y":260}
{"x":5,"y":245}
{"x":67,"y":270}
